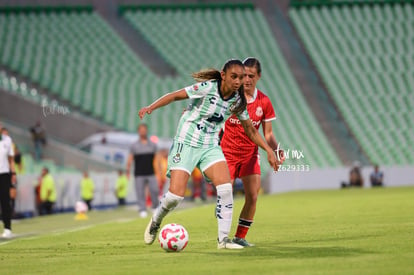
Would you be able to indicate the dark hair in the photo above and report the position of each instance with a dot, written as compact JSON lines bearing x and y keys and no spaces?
{"x":206,"y":74}
{"x":253,"y":62}
{"x":213,"y":74}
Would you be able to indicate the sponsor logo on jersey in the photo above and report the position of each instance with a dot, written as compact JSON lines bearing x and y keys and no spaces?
{"x":206,"y":127}
{"x":195,"y":87}
{"x":234,"y":121}
{"x":216,"y":118}
{"x":237,"y":121}
{"x":213,"y":100}
{"x":259,"y":111}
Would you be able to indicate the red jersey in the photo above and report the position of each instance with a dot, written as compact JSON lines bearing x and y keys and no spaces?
{"x":235,"y":141}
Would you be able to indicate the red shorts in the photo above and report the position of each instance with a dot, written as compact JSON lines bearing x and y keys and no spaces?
{"x":241,"y":167}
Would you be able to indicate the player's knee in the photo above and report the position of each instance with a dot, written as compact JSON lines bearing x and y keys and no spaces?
{"x":178,"y":189}
{"x":251,"y":199}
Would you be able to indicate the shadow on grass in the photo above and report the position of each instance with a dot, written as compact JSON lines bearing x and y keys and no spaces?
{"x":292,"y":252}
{"x":331,"y":239}
{"x":305,"y":252}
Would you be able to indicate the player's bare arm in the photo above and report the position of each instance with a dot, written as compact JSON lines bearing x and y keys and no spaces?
{"x":254,"y":135}
{"x":163,"y":101}
{"x":271,"y":139}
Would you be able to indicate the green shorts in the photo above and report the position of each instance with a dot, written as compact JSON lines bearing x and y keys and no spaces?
{"x":185,"y":157}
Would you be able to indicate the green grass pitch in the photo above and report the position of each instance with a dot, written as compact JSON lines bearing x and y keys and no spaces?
{"x":369,"y":231}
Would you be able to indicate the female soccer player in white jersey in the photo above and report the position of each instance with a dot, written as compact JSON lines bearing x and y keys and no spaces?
{"x":241,"y":153}
{"x":196,"y":142}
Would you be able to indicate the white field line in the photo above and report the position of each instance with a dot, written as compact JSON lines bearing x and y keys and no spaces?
{"x":37,"y":235}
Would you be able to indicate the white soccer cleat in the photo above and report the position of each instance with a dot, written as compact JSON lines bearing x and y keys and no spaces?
{"x":143,"y":214}
{"x":151,"y":232}
{"x":226,"y":243}
{"x":7,"y":234}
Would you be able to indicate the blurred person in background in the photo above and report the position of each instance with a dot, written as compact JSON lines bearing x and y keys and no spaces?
{"x":7,"y":179}
{"x":87,"y":189}
{"x":121,"y":187}
{"x":5,"y":131}
{"x":39,"y":139}
{"x":199,"y":185}
{"x":38,"y":201}
{"x":160,"y":168}
{"x":18,"y":161}
{"x":13,"y":196}
{"x":18,"y":168}
{"x":355,"y":176}
{"x":377,"y":177}
{"x":242,"y":153}
{"x":47,"y":192}
{"x":142,"y":154}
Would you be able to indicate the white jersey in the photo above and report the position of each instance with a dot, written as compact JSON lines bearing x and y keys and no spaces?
{"x":200,"y":124}
{"x":6,"y":151}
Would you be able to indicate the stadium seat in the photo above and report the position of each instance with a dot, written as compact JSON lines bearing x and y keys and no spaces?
{"x":69,"y":53}
{"x":364,"y":55}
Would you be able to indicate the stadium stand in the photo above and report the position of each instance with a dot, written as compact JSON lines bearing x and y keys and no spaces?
{"x":33,"y":167}
{"x":11,"y":84}
{"x":364,"y":53}
{"x":310,"y":83}
{"x":76,"y":56}
{"x":79,"y":58}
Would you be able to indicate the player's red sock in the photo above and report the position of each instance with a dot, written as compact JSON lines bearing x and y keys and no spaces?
{"x":243,"y":228}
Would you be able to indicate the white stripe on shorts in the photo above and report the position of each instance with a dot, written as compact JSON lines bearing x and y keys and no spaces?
{"x":212,"y":163}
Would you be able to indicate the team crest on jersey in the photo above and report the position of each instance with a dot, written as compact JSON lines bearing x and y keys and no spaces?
{"x":259,"y":111}
{"x":177,"y":158}
{"x":195,"y":87}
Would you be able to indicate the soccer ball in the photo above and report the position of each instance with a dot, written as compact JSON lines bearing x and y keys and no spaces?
{"x":173,"y":237}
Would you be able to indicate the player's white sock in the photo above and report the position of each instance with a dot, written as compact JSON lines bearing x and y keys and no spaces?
{"x":168,"y":202}
{"x":224,"y":210}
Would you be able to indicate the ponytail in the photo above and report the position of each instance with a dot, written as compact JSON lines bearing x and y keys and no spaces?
{"x":206,"y":74}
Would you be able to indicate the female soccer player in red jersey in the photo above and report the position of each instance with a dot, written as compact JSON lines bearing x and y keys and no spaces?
{"x":241,"y":153}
